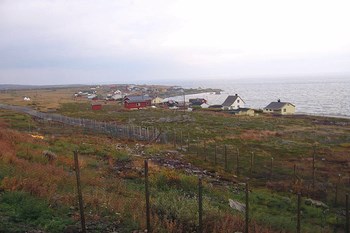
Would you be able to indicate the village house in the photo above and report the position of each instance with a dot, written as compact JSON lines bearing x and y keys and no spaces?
{"x":137,"y":102}
{"x":282,"y":108}
{"x":233,"y":102}
{"x":157,"y":101}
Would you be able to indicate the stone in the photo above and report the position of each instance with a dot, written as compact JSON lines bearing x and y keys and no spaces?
{"x":318,"y":204}
{"x":236,"y":205}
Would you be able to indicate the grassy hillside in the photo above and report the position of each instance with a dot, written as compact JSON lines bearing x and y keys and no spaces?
{"x":112,"y":171}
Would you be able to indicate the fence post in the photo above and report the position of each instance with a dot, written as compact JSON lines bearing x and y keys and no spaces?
{"x":246,"y":229}
{"x":174,"y":139}
{"x":295,"y":173}
{"x":347,"y":230}
{"x":148,"y":222}
{"x":298,"y":213}
{"x":80,"y":196}
{"x":200,"y":206}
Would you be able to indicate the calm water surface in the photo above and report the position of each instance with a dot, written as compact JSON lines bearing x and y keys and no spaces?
{"x":329,"y":96}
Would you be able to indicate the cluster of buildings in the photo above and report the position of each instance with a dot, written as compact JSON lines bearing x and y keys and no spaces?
{"x":233,"y":104}
{"x":140,"y":97}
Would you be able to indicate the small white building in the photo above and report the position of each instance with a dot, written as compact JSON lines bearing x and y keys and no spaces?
{"x":26,"y":98}
{"x":233,"y":102}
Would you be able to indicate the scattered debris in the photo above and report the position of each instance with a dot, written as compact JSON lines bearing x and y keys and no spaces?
{"x":37,"y":136}
{"x":318,"y":204}
{"x":237,"y":205}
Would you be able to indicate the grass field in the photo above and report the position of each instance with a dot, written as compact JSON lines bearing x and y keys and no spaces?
{"x":112,"y":171}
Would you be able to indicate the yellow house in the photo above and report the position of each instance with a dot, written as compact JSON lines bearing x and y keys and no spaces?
{"x":282,"y":108}
{"x":157,"y":101}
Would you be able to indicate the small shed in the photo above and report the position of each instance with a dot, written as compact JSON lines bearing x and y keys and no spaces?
{"x":96,"y":106}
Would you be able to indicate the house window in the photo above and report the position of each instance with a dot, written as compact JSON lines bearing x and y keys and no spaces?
{"x":237,"y":101}
{"x":138,"y":104}
{"x":284,"y":110}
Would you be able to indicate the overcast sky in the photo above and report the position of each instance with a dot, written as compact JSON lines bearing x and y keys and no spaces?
{"x":125,"y":41}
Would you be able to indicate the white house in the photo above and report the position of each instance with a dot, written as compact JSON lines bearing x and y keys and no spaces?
{"x":233,"y":102}
{"x":26,"y":98}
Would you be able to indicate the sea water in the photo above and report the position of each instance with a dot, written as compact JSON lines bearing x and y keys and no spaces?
{"x":319,"y":96}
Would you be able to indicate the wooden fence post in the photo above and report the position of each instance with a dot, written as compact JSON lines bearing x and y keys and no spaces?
{"x":298,"y":213}
{"x":246,"y":229}
{"x":80,"y":196}
{"x":200,"y":206}
{"x":148,"y":219}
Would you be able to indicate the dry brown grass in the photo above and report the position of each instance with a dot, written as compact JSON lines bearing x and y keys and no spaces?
{"x":43,"y":99}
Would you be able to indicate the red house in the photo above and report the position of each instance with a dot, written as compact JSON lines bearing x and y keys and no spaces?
{"x":137,"y":102}
{"x":96,"y":106}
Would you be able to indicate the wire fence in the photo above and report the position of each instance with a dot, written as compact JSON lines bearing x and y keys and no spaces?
{"x":224,"y":156}
{"x":122,"y":131}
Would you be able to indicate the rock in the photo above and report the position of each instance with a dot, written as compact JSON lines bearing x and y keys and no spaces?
{"x":236,"y":205}
{"x":318,"y":204}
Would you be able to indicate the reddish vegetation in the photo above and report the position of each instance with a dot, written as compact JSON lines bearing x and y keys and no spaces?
{"x":257,"y":135}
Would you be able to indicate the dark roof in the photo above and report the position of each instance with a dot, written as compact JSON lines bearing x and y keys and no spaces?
{"x":230,"y":100}
{"x":276,"y":105}
{"x":136,"y":98}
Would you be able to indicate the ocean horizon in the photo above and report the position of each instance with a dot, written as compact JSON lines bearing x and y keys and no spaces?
{"x":316,"y":96}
